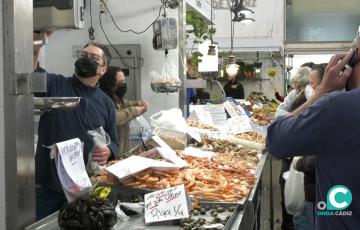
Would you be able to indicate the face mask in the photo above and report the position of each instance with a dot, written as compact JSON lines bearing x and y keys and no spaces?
{"x":309,"y":91}
{"x":86,"y":67}
{"x":121,"y":90}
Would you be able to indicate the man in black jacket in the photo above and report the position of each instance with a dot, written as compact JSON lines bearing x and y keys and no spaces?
{"x":95,"y":109}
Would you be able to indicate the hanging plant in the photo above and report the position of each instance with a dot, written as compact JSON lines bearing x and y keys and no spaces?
{"x":201,"y":31}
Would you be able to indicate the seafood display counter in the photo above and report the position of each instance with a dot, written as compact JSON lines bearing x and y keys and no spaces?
{"x":245,"y":216}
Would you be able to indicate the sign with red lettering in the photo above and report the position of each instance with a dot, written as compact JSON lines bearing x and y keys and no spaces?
{"x":166,"y":204}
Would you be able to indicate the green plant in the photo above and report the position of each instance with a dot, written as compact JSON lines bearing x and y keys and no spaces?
{"x":201,"y":31}
{"x":194,"y":60}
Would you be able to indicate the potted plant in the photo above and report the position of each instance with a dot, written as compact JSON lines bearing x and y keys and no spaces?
{"x":201,"y":32}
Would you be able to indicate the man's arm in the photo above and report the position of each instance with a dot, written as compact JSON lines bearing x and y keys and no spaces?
{"x":334,"y":79}
{"x":307,"y":130}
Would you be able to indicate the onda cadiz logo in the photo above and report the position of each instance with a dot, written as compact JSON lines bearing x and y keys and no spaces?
{"x":338,"y":198}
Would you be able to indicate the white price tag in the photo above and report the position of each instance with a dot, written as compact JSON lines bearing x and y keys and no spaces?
{"x":168,"y":153}
{"x":194,"y":134}
{"x":204,"y":117}
{"x":231,"y":109}
{"x":166,"y":204}
{"x":239,"y":124}
{"x":136,"y":164}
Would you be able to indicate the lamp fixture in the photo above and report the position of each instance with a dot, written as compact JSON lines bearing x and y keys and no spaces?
{"x":212,"y":50}
{"x":246,"y":11}
{"x":242,"y":18}
{"x":241,"y":12}
{"x":232,"y":68}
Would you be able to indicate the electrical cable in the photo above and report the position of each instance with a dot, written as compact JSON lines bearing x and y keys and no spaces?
{"x":116,"y":51}
{"x":91,"y":29}
{"x":164,"y":2}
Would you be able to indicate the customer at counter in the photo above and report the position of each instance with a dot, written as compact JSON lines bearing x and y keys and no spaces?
{"x":114,"y":85}
{"x":299,"y":81}
{"x":234,"y":89}
{"x":306,"y":164}
{"x":95,"y":109}
{"x":325,"y":126}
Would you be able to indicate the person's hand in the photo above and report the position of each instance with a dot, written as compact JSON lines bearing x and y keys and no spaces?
{"x":335,"y":77}
{"x":141,"y":103}
{"x":40,"y":37}
{"x":140,"y":109}
{"x":234,"y":86}
{"x":101,"y":155}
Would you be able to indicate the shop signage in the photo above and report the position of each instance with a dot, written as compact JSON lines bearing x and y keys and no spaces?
{"x":166,"y":204}
{"x":239,"y":124}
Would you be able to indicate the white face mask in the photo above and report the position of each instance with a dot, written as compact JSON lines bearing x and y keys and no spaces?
{"x":309,"y":91}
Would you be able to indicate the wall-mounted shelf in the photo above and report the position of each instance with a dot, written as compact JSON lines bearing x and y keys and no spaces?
{"x":202,"y":7}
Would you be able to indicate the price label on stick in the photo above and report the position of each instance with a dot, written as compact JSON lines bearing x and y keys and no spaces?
{"x":168,"y":153}
{"x":232,"y":109}
{"x":166,"y":204}
{"x":239,"y":124}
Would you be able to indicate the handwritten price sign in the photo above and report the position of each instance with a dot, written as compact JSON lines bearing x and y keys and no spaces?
{"x":166,"y":204}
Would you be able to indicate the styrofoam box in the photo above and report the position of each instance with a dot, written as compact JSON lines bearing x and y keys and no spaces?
{"x":220,"y":123}
{"x":215,"y":108}
{"x":218,"y":116}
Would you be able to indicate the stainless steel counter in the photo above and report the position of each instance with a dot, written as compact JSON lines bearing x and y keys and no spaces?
{"x":137,"y":222}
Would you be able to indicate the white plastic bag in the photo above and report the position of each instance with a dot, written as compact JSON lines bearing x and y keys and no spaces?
{"x":101,"y":139}
{"x":294,"y":191}
{"x":139,"y":130}
{"x":169,"y":119}
{"x":168,"y":81}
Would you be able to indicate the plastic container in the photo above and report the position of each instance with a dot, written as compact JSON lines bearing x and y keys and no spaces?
{"x":175,"y":139}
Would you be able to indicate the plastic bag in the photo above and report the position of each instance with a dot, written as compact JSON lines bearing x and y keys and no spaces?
{"x":101,"y":139}
{"x":139,"y":130}
{"x":168,"y":81}
{"x":169,"y":119}
{"x":294,"y":192}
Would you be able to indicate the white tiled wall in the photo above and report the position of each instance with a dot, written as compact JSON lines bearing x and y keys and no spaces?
{"x":137,"y":15}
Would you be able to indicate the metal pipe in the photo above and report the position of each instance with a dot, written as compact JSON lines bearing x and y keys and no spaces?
{"x":182,"y":54}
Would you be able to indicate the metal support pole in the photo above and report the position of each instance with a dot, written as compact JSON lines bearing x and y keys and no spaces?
{"x":182,"y":53}
{"x":19,"y":167}
{"x":271,"y":195}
